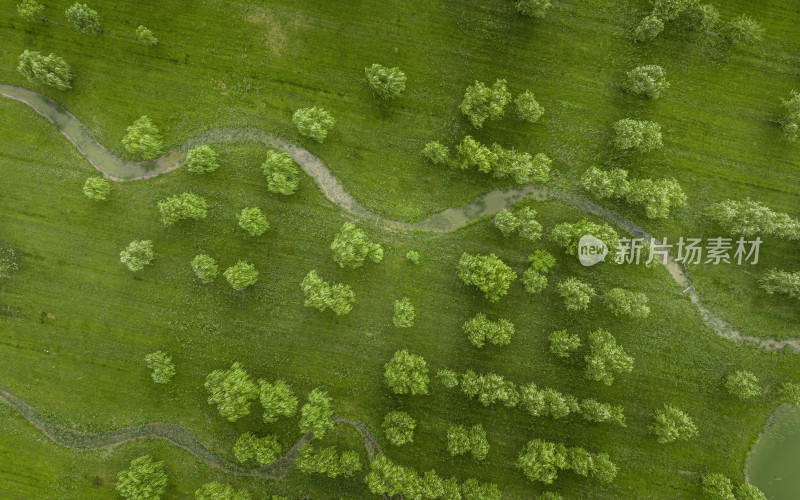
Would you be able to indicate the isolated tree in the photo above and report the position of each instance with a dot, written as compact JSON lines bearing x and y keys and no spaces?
{"x":567,"y":235}
{"x":781,"y":282}
{"x":717,"y":487}
{"x":278,"y":400}
{"x":482,"y":102}
{"x":747,"y":491}
{"x":527,"y":108}
{"x":621,"y":302}
{"x":562,"y":343}
{"x":97,"y":188}
{"x":672,"y":424}
{"x":533,"y":8}
{"x":744,"y":29}
{"x":202,"y":159}
{"x":649,"y":29}
{"x":647,"y":81}
{"x":264,"y":450}
{"x":241,"y":275}
{"x":181,"y":207}
{"x":351,"y":247}
{"x":83,"y":19}
{"x":162,"y":366}
{"x":220,"y":491}
{"x":643,"y":136}
{"x":489,"y":389}
{"x":437,"y":153}
{"x":145,"y":479}
{"x":205,"y":268}
{"x":743,"y":384}
{"x":30,"y":10}
{"x":137,"y":254}
{"x":576,"y":294}
{"x":595,"y":411}
{"x":322,"y":295}
{"x":541,"y":460}
{"x":231,"y":391}
{"x":283,"y":175}
{"x":143,"y":139}
{"x":606,"y":184}
{"x":541,"y":261}
{"x":404,"y":313}
{"x":471,"y":153}
{"x":314,"y":122}
{"x":315,"y":415}
{"x":480,"y":330}
{"x":253,"y":221}
{"x":448,"y":378}
{"x":486,"y":272}
{"x":413,"y":256}
{"x":398,"y":426}
{"x":386,"y":83}
{"x":406,"y":373}
{"x":606,"y":358}
{"x":146,"y":36}
{"x":48,"y":70}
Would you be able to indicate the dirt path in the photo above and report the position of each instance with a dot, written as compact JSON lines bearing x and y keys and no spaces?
{"x":449,"y":220}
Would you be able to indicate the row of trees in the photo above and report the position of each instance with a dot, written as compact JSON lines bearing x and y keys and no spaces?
{"x":692,"y":16}
{"x":657,"y":197}
{"x":548,"y":402}
{"x":482,"y":102}
{"x":750,"y":218}
{"x":541,"y":461}
{"x":781,"y":282}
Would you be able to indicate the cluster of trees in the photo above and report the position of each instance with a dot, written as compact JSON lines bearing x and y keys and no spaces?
{"x":253,"y":221}
{"x":673,"y":424}
{"x":718,"y":487}
{"x":606,"y":358}
{"x":386,"y":83}
{"x":220,"y":491}
{"x":522,"y":222}
{"x":283,"y":175}
{"x":48,"y":70}
{"x":182,"y":206}
{"x":791,"y":121}
{"x":482,"y":102}
{"x":489,"y":389}
{"x":533,"y":8}
{"x":750,"y":218}
{"x":144,"y":479}
{"x":621,"y":302}
{"x":143,"y":140}
{"x":162,"y":366}
{"x":657,"y":197}
{"x":551,"y":403}
{"x":328,"y":461}
{"x":486,"y":272}
{"x":534,"y":279}
{"x":202,"y":159}
{"x":398,"y":427}
{"x":137,"y":254}
{"x":314,"y":123}
{"x":318,"y":293}
{"x":692,"y":16}
{"x":647,"y":81}
{"x":541,"y":461}
{"x":567,"y":235}
{"x":387,"y":478}
{"x":263,"y":450}
{"x":480,"y":329}
{"x":576,"y":294}
{"x":404,"y":313}
{"x":461,"y":440}
{"x":640,"y":135}
{"x":495,"y":160}
{"x":781,"y":282}
{"x":407,"y":373}
{"x":97,"y":188}
{"x":351,"y":247}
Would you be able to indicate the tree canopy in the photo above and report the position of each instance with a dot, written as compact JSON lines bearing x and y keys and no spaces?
{"x":482,"y":102}
{"x":253,"y":221}
{"x":606,"y":358}
{"x":314,"y":123}
{"x":205,"y":268}
{"x":320,"y":294}
{"x":278,"y":400}
{"x":49,"y":70}
{"x":181,"y":207}
{"x":220,"y":491}
{"x":83,"y":19}
{"x":406,"y":373}
{"x":386,"y":83}
{"x":162,"y":366}
{"x":398,"y":427}
{"x":231,"y":391}
{"x":486,"y":272}
{"x":283,"y":175}
{"x":641,"y":135}
{"x":202,"y":159}
{"x":241,"y":275}
{"x":316,"y":414}
{"x":647,"y":81}
{"x":672,"y":424}
{"x":351,"y":247}
{"x":145,"y":479}
{"x":97,"y":188}
{"x":137,"y":254}
{"x":143,"y":139}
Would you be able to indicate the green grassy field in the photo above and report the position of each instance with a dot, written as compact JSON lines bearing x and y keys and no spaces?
{"x":75,"y":323}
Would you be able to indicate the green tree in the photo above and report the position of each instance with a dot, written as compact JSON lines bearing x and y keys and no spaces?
{"x":751,"y":218}
{"x":744,"y":29}
{"x":747,"y":491}
{"x":790,"y":394}
{"x":241,"y":275}
{"x":657,"y":197}
{"x":398,"y":426}
{"x":643,"y":136}
{"x":406,"y":373}
{"x":253,"y":221}
{"x":220,"y":491}
{"x":486,"y":272}
{"x":743,"y":384}
{"x":437,"y":153}
{"x":472,"y":489}
{"x":205,"y":268}
{"x":202,"y":159}
{"x":478,"y":444}
{"x":316,"y":414}
{"x":143,"y":139}
{"x":717,"y":487}
{"x":791,"y":121}
{"x":621,"y":302}
{"x":386,"y":83}
{"x":480,"y":329}
{"x":351,"y":247}
{"x":137,"y":254}
{"x":527,"y":108}
{"x":97,"y":188}
{"x":576,"y":294}
{"x":83,"y":19}
{"x":448,"y":378}
{"x":146,"y":36}
{"x":404,"y":313}
{"x":314,"y":123}
{"x":522,"y":167}
{"x":264,"y":450}
{"x":471,"y":153}
{"x":781,"y":282}
{"x":533,"y":281}
{"x":702,"y":17}
{"x":547,"y":402}
{"x":649,"y":29}
{"x":670,"y":10}
{"x":458,"y":442}
{"x":482,"y":102}
{"x":489,"y":389}
{"x":603,"y":469}
{"x":672,"y":424}
{"x":182,"y":206}
{"x":595,"y":411}
{"x":162,"y":366}
{"x":145,"y":479}
{"x":231,"y":391}
{"x":529,"y":227}
{"x":647,"y":81}
{"x":413,"y":256}
{"x":541,"y":460}
{"x":283,"y":176}
{"x":506,"y":222}
{"x":328,"y":461}
{"x":567,"y":235}
{"x":30,"y":10}
{"x":320,"y":294}
{"x":8,"y":260}
{"x":608,"y":184}
{"x":48,"y":70}
{"x":606,"y":358}
{"x":541,"y":261}
{"x":533,"y":8}
{"x":562,"y":343}
{"x":278,"y":400}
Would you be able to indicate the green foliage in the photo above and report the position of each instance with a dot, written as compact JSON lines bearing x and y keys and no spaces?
{"x":314,"y":123}
{"x":322,"y":295}
{"x":472,"y":153}
{"x":527,"y":108}
{"x":404,"y":313}
{"x":48,"y":70}
{"x":606,"y":184}
{"x":8,"y":260}
{"x":670,"y":10}
{"x":744,"y":29}
{"x":221,"y":491}
{"x":437,"y":153}
{"x":406,"y":373}
{"x":562,"y":343}
{"x":625,"y":302}
{"x":647,"y":81}
{"x":413,"y":256}
{"x":743,"y":384}
{"x":351,"y":247}
{"x":657,"y":197}
{"x":472,"y":489}
{"x":316,"y":414}
{"x":489,"y":389}
{"x":717,"y":487}
{"x":29,"y":10}
{"x":83,"y":19}
{"x":137,"y":254}
{"x":606,"y":358}
{"x":162,"y":366}
{"x":482,"y":102}
{"x":576,"y":294}
{"x":231,"y":391}
{"x":253,"y":221}
{"x":264,"y":450}
{"x":595,"y":411}
{"x":702,"y":17}
{"x":547,"y":402}
{"x":649,"y":29}
{"x":480,"y":329}
{"x":522,"y":167}
{"x":398,"y":427}
{"x":283,"y":175}
{"x":533,"y":281}
{"x":328,"y":461}
{"x":205,"y":268}
{"x":533,"y":8}
{"x":750,"y":218}
{"x":486,"y":272}
{"x":202,"y":159}
{"x":789,"y":393}
{"x":541,"y":261}
{"x":386,"y":83}
{"x":747,"y":491}
{"x":567,"y":235}
{"x":145,"y":479}
{"x":524,"y":221}
{"x":791,"y":121}
{"x":448,"y":378}
{"x":241,"y":275}
{"x":278,"y":400}
{"x":461,"y":440}
{"x":146,"y":36}
{"x":549,"y":495}
{"x":183,"y":206}
{"x":541,"y":460}
{"x":672,"y":424}
{"x":641,"y":135}
{"x":506,"y":222}
{"x":97,"y":188}
{"x":143,"y":139}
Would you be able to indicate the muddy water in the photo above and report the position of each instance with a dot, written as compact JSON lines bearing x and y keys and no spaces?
{"x":774,"y":464}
